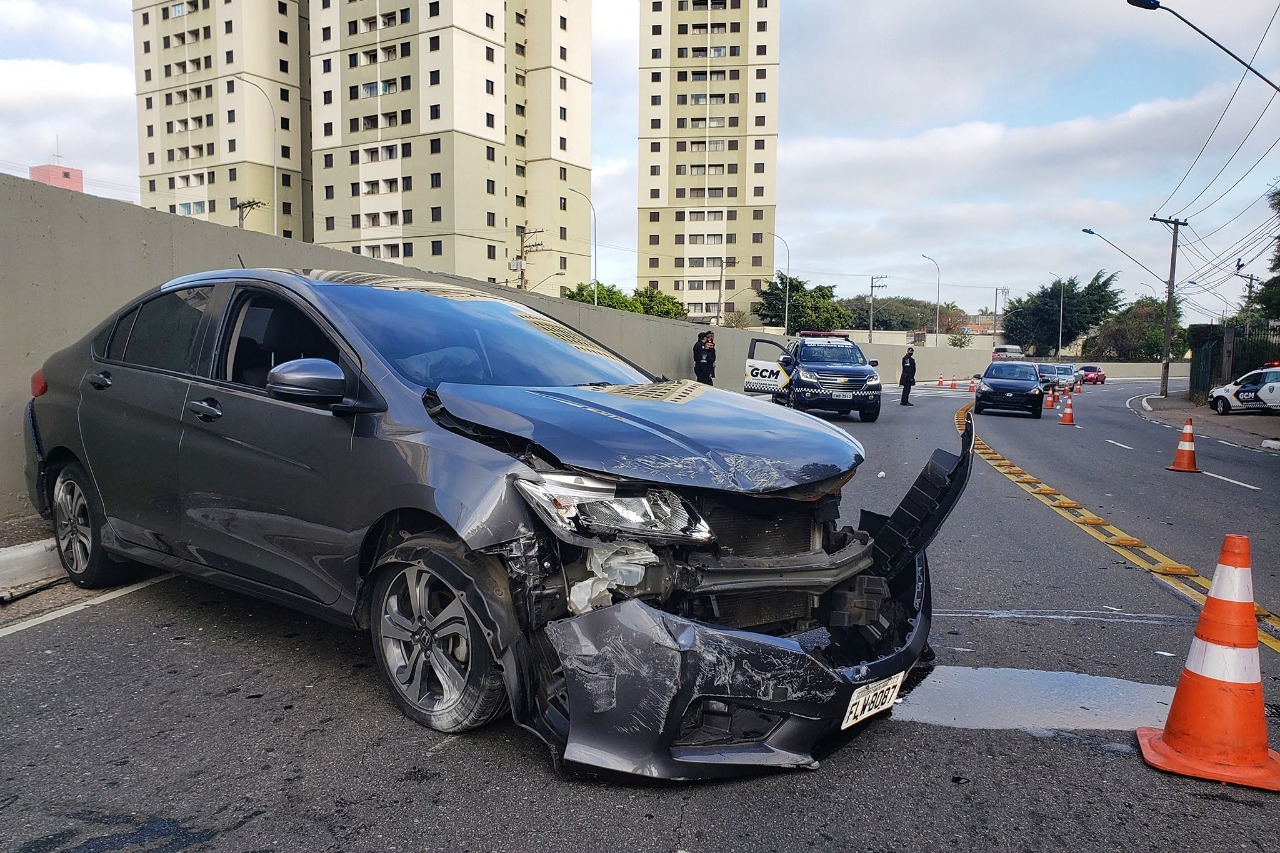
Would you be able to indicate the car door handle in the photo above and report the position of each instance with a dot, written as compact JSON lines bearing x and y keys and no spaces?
{"x":101,"y":381}
{"x":206,"y":410}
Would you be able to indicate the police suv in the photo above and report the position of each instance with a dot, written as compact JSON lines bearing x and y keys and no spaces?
{"x":1258,"y":390}
{"x":821,"y":370}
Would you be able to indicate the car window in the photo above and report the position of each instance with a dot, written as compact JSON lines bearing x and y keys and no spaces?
{"x":1012,"y":371}
{"x":1272,"y":376}
{"x":430,"y":339}
{"x":267,"y":331}
{"x":1254,"y":378}
{"x":832,"y":352}
{"x":163,"y":331}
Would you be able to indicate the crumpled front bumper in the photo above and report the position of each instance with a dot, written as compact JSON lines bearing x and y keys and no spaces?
{"x":658,"y":695}
{"x":636,"y":677}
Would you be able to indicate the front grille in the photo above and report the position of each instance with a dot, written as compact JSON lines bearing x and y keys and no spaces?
{"x":766,"y":607}
{"x":746,"y":535}
{"x":840,"y":382}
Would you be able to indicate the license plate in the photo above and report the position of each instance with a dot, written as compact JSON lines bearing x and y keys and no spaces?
{"x":842,"y":395}
{"x":871,"y":699}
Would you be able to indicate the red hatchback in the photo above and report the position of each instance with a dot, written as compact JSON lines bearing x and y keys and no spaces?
{"x":1092,"y":374}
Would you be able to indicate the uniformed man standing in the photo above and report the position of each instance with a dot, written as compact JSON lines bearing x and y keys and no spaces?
{"x":908,"y":377}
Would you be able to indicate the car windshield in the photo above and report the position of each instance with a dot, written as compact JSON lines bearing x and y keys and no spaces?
{"x":471,"y":338}
{"x":832,"y":352}
{"x":1089,"y":368}
{"x":1066,"y":370}
{"x":1012,"y":371}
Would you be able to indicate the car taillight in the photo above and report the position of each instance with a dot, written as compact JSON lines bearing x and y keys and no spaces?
{"x":38,"y":385}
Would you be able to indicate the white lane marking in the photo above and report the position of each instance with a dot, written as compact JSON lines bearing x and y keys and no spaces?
{"x":1118,"y":444}
{"x":1233,"y":482}
{"x":1228,"y":443}
{"x":76,"y":608}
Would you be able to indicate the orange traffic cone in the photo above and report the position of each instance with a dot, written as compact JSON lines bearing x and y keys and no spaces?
{"x":1051,"y":400}
{"x":953,"y":382}
{"x":1068,"y":417}
{"x":939,"y":380}
{"x":1079,"y":387}
{"x":972,"y":385}
{"x":1217,"y":726}
{"x":1185,"y":458}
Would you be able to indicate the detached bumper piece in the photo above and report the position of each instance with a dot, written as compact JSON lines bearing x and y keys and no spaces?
{"x":653,"y":694}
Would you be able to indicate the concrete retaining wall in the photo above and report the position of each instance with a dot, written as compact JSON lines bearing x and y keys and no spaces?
{"x":71,"y":259}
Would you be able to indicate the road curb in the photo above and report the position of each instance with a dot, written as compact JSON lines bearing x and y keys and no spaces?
{"x":21,"y":565}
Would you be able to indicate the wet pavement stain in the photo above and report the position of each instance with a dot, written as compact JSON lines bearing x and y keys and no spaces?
{"x":1032,"y":700}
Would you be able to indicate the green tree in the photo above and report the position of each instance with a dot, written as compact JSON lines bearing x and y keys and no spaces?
{"x":655,"y":303}
{"x":959,"y":340}
{"x":1137,"y":334}
{"x":1268,"y":296}
{"x":1032,"y":321}
{"x":736,"y":320}
{"x":813,"y":308}
{"x":610,"y":297}
{"x":893,"y":313}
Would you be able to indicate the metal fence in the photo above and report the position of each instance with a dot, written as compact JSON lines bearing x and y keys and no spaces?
{"x":1222,"y":353}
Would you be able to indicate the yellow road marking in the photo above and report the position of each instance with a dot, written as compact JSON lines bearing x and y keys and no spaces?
{"x":1167,"y":571}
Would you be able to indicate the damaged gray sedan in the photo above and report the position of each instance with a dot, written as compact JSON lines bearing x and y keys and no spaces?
{"x":651,"y":575}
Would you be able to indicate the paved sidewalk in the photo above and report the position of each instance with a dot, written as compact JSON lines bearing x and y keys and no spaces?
{"x":1248,"y":429}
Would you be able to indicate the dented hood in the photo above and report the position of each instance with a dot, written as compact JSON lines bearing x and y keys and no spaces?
{"x":679,"y":433}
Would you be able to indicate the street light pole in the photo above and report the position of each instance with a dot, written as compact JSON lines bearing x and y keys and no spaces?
{"x":1152,"y":5}
{"x":937,"y":306}
{"x":275,"y":158}
{"x":544,"y":280}
{"x":786,"y":289}
{"x":595,"y":254}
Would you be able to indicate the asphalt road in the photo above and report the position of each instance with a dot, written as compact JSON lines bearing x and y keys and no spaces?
{"x":180,"y":717}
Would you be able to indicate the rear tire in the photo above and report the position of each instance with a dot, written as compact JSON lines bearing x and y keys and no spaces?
{"x":431,"y":650}
{"x":78,"y":519}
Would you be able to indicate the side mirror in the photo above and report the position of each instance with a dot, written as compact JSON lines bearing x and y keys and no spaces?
{"x":310,"y":381}
{"x":786,"y":360}
{"x":875,"y":362}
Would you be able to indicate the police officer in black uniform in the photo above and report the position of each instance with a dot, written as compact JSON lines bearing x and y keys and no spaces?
{"x":908,"y":377}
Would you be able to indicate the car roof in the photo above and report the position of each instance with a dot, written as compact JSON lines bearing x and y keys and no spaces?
{"x":447,"y":286}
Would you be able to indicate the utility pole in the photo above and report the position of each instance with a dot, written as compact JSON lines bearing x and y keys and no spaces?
{"x":871,"y":324}
{"x":244,"y":207}
{"x":995,"y":320}
{"x":1248,"y":299}
{"x":1168,"y":304}
{"x":527,"y":247}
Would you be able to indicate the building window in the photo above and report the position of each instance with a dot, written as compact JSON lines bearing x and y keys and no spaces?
{"x":436,"y":179}
{"x":437,"y":214}
{"x":437,"y":247}
{"x":491,"y":252}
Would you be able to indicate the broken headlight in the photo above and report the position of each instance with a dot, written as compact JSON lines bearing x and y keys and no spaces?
{"x":585,"y":506}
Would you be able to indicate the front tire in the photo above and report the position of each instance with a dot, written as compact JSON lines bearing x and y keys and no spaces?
{"x":78,"y":518}
{"x":869,"y":416}
{"x":1037,"y":412}
{"x":1221,"y":406}
{"x":431,"y":650}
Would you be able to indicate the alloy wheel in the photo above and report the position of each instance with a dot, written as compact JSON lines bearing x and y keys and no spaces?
{"x":73,"y":525}
{"x":425,"y":633}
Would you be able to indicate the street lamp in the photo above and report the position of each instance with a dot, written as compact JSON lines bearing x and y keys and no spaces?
{"x":786,"y":290}
{"x":275,"y":154}
{"x":1152,"y":5}
{"x":937,"y":306}
{"x":595,"y":255}
{"x":536,"y":286}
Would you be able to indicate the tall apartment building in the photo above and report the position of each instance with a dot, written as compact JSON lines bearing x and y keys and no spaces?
{"x":223,"y":111}
{"x":451,"y":135}
{"x":708,"y":152}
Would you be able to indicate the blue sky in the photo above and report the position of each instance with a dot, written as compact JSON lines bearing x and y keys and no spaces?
{"x":984,"y":134}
